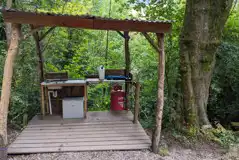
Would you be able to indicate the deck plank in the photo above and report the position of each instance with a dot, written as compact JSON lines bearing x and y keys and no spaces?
{"x":83,"y":126}
{"x":46,"y":136}
{"x":136,"y":129}
{"x":81,"y":133}
{"x":94,"y":134}
{"x":80,"y":148}
{"x":66,"y":140}
{"x":75,"y":144}
{"x":76,"y":123}
{"x":100,"y":133}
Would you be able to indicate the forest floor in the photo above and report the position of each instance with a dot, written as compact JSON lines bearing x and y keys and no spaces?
{"x":175,"y":150}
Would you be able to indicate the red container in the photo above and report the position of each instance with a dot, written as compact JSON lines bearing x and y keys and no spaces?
{"x":117,"y":99}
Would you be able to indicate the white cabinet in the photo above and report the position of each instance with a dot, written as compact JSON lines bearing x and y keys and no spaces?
{"x":73,"y":107}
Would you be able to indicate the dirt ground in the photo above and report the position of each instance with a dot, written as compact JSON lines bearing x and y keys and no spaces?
{"x":175,"y":150}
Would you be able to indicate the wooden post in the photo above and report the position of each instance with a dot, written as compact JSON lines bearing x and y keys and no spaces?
{"x":136,"y":103}
{"x":44,"y":91}
{"x":6,"y":87}
{"x":85,"y":99}
{"x":160,"y":98}
{"x":127,"y":67}
{"x":39,"y":54}
{"x":47,"y":100}
{"x":42,"y":102}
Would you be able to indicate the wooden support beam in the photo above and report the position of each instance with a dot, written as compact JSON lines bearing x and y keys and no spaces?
{"x":42,"y":102}
{"x":87,"y":22}
{"x":85,"y":100}
{"x":160,"y":97}
{"x":47,"y":100}
{"x":39,"y":54}
{"x":121,"y":34}
{"x":151,"y":41}
{"x":46,"y":33}
{"x":136,"y":102}
{"x":44,"y":92}
{"x":127,"y":68}
{"x":6,"y":86}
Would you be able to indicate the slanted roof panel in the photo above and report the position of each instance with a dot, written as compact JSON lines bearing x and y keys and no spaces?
{"x":85,"y":21}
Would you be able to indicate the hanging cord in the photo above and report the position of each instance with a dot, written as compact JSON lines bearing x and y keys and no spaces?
{"x":51,"y":36}
{"x":107,"y":39}
{"x":93,"y":7}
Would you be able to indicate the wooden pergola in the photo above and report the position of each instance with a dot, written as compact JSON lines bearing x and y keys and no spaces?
{"x":38,"y":21}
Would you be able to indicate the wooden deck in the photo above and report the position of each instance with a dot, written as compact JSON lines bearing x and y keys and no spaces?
{"x":99,"y":131}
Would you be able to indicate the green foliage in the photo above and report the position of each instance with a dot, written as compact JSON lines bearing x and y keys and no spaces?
{"x":80,"y":52}
{"x":163,"y":151}
{"x":224,"y":95}
{"x":224,"y":137}
{"x":25,"y":97}
{"x":144,"y":59}
{"x":99,"y":98}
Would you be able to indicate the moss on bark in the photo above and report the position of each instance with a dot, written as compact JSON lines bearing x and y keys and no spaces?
{"x":200,"y":38}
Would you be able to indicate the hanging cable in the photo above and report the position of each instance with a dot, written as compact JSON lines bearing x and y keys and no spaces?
{"x":107,"y":38}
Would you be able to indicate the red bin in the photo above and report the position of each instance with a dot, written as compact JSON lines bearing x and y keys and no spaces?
{"x":117,"y":99}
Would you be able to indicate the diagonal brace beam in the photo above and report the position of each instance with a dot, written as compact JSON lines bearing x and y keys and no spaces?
{"x":46,"y":33}
{"x":123,"y":35}
{"x":151,"y":41}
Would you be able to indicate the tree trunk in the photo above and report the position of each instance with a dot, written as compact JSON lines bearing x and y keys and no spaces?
{"x":160,"y":98}
{"x":6,"y":87}
{"x":201,"y":35}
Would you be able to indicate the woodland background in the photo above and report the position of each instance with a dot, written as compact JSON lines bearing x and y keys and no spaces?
{"x":80,"y":52}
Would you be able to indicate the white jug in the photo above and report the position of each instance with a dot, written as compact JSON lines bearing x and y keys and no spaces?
{"x":101,"y":71}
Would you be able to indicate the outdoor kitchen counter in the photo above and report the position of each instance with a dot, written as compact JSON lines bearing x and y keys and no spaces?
{"x":59,"y":84}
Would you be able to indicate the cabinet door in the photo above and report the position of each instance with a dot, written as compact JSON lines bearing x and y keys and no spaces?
{"x":73,"y":108}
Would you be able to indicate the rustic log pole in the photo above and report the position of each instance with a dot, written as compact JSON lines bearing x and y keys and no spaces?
{"x":6,"y":87}
{"x":160,"y":98}
{"x":127,"y":68}
{"x":47,"y":100}
{"x":85,"y":100}
{"x":40,"y":70}
{"x":136,"y":103}
{"x":39,"y":54}
{"x":42,"y":102}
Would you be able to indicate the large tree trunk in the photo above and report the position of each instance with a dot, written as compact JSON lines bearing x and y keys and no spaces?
{"x":6,"y":87}
{"x":201,"y":35}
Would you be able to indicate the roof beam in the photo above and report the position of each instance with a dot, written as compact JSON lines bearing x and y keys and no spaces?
{"x":86,"y":22}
